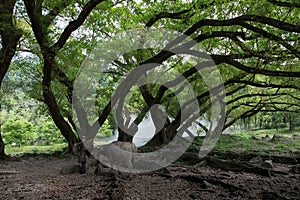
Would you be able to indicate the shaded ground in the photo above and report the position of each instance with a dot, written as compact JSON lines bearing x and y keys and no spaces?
{"x":39,"y":178}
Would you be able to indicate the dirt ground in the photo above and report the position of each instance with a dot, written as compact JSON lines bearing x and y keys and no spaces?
{"x":40,"y":178}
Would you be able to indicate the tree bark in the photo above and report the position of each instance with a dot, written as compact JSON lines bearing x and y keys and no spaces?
{"x":59,"y":120}
{"x":157,"y":140}
{"x":123,"y":136}
{"x":165,"y":135}
{"x":52,"y":104}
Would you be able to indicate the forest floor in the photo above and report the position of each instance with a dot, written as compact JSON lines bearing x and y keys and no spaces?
{"x":40,"y":177}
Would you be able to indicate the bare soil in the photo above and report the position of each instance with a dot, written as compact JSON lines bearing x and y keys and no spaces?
{"x":39,"y":177}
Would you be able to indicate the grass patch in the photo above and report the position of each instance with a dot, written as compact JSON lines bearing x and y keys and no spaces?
{"x":241,"y":144}
{"x":35,"y":149}
{"x":245,"y":141}
{"x":252,"y":142}
{"x":271,"y":132}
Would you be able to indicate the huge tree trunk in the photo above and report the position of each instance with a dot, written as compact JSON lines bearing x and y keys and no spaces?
{"x":159,"y":139}
{"x":123,"y":136}
{"x":164,"y":136}
{"x":50,"y":100}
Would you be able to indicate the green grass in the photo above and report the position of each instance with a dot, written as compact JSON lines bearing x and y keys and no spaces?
{"x":271,"y":132}
{"x":245,"y":141}
{"x":35,"y":149}
{"x":251,"y":142}
{"x":241,"y":144}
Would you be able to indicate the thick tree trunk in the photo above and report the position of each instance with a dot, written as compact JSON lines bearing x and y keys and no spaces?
{"x":163,"y":129}
{"x":52,"y":104}
{"x":124,"y":137}
{"x":59,"y":120}
{"x":164,"y":136}
{"x":10,"y":36}
{"x":158,"y":140}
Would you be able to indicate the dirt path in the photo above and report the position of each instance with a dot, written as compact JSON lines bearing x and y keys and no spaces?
{"x":39,"y":178}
